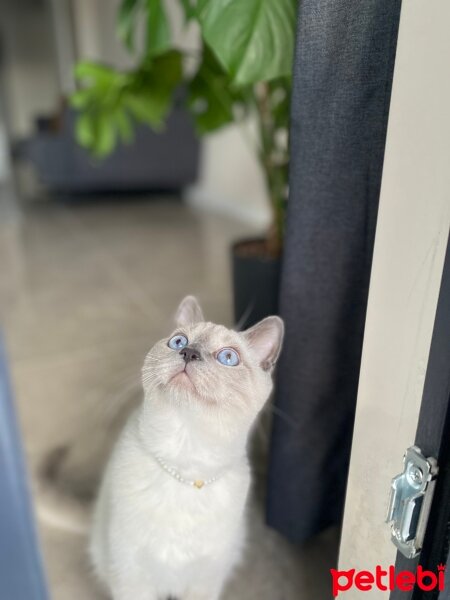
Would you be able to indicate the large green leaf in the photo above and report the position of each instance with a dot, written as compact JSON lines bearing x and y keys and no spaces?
{"x":149,"y":98}
{"x":158,"y":31}
{"x":96,"y":132}
{"x":84,"y":130}
{"x":95,"y":72}
{"x":123,"y":125}
{"x":211,"y":97}
{"x":253,"y":39}
{"x":156,"y":24}
{"x":190,"y":9}
{"x":126,"y":18}
{"x":105,"y":135}
{"x":111,"y":98}
{"x":81,"y":98}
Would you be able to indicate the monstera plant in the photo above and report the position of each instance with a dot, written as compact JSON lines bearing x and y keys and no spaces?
{"x":242,"y":68}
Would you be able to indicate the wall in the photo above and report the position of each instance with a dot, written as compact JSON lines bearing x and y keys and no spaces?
{"x":231,"y":181}
{"x":28,"y":62}
{"x":95,"y":38}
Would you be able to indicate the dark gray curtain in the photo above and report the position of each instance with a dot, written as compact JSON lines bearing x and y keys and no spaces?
{"x":343,"y":72}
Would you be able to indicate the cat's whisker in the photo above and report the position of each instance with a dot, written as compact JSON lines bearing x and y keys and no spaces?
{"x":245,"y":315}
{"x":283,"y":415}
{"x":120,"y":398}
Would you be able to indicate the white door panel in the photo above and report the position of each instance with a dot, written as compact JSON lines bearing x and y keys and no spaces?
{"x":412,"y":233}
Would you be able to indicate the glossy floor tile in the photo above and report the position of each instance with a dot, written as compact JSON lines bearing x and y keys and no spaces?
{"x":87,"y":286}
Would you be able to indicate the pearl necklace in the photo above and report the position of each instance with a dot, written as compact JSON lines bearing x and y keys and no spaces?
{"x":197,"y":483}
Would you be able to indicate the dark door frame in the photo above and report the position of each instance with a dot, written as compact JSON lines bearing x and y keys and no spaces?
{"x":21,"y":571}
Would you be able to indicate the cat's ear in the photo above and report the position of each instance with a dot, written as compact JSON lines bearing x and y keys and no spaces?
{"x":189,"y":312}
{"x":265,"y":339}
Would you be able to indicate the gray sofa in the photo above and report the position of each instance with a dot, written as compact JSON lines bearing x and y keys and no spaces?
{"x":153,"y":161}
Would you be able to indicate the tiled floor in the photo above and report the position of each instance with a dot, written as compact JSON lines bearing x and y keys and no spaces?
{"x":86,"y":288}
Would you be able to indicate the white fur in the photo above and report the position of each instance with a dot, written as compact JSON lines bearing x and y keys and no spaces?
{"x":153,"y":536}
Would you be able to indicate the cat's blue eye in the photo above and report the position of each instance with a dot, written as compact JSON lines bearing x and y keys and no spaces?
{"x":178,"y":342}
{"x":228,"y":357}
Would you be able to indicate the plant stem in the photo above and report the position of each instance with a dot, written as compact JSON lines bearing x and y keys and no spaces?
{"x":274,"y":173}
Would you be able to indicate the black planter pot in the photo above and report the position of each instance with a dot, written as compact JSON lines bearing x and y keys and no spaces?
{"x":256,"y":282}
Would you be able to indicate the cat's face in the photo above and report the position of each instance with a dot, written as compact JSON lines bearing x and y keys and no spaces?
{"x":206,"y":365}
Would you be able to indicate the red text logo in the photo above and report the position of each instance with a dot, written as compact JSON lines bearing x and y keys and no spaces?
{"x":387,"y":579}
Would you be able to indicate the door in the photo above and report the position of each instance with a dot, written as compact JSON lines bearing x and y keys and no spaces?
{"x":404,"y":382}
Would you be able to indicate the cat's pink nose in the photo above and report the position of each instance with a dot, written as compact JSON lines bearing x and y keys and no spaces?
{"x":189,"y":354}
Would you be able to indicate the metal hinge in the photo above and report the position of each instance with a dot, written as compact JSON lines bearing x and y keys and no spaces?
{"x":410,"y":501}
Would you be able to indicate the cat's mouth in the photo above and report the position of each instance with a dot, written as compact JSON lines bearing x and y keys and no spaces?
{"x":183,"y":378}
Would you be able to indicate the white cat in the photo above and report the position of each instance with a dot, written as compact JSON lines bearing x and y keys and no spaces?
{"x":169,"y":520}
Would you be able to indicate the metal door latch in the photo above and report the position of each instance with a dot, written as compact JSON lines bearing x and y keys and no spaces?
{"x":410,"y":501}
